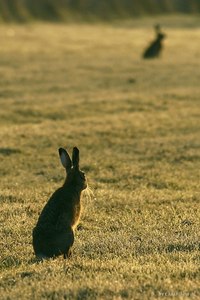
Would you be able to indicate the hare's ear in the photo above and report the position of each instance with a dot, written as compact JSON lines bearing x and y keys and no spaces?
{"x":75,"y":157}
{"x":65,"y":159}
{"x":157,"y":28}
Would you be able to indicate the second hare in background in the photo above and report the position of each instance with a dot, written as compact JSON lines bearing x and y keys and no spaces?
{"x":54,"y":232}
{"x":154,"y":49}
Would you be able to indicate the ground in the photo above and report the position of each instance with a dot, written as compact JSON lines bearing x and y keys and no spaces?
{"x":137,"y":126}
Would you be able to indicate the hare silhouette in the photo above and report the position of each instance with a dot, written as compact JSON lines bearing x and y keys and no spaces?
{"x":53,"y":234}
{"x":156,"y":46}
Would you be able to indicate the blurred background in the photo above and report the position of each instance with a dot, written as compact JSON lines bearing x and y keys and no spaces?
{"x":23,"y":10}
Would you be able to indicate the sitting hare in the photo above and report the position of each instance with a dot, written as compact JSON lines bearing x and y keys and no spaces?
{"x":154,"y":49}
{"x":54,"y":232}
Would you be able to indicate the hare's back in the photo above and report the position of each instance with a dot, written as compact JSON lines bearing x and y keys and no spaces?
{"x":52,"y":209}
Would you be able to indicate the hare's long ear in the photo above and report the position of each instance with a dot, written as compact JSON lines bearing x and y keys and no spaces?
{"x":157,"y":28}
{"x":75,"y":157}
{"x":65,"y":159}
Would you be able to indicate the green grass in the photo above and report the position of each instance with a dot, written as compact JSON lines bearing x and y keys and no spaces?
{"x":137,"y":126}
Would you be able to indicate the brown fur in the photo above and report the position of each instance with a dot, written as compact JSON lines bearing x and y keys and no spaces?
{"x":54,"y":231}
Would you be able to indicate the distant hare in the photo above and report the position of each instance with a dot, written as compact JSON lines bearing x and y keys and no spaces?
{"x":54,"y":232}
{"x":154,"y":49}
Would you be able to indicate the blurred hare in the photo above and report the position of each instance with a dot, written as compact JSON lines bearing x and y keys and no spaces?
{"x":155,"y":47}
{"x":54,"y":231}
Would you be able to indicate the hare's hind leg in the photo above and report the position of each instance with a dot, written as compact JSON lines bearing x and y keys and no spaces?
{"x":64,"y":242}
{"x":57,"y":243}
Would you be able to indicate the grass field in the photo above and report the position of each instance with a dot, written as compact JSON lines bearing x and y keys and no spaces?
{"x":137,"y":126}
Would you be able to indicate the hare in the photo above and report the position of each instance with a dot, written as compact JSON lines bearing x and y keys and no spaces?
{"x":154,"y":49}
{"x":53,"y":234}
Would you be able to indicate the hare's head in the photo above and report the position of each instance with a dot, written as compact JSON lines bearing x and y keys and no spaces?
{"x":75,"y":177}
{"x":161,"y":36}
{"x":159,"y":33}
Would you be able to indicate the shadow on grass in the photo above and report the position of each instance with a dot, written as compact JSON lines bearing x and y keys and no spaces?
{"x":9,"y":151}
{"x":141,"y":250}
{"x":9,"y":261}
{"x":9,"y":199}
{"x":183,"y":248}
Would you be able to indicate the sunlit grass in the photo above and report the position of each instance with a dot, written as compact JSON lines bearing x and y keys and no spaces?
{"x":137,"y":126}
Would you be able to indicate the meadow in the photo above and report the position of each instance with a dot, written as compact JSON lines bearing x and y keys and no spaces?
{"x":91,"y":10}
{"x":137,"y":126}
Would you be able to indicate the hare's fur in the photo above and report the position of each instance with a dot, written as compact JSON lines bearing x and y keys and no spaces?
{"x":54,"y":231}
